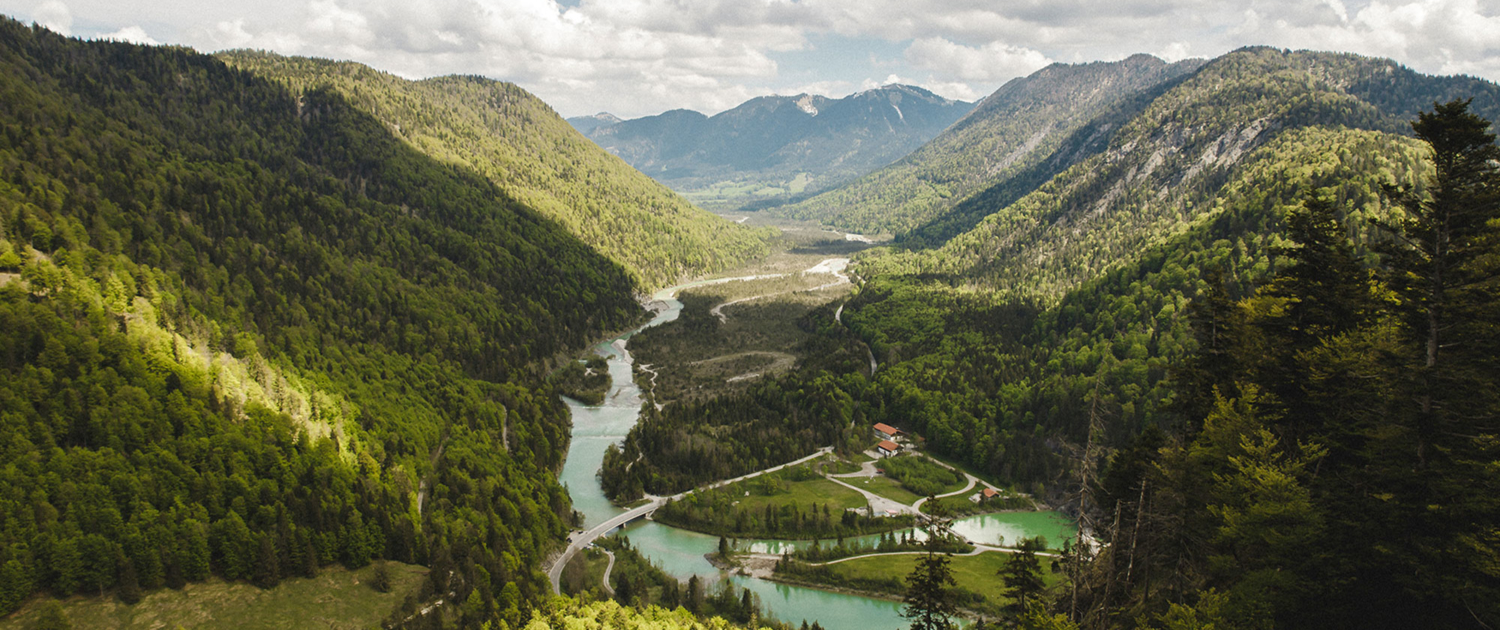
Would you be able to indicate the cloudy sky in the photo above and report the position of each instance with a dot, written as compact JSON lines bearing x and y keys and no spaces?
{"x":639,"y":57}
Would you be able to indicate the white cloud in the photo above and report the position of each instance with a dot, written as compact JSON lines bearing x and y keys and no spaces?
{"x":55,"y":15}
{"x":1433,"y":36}
{"x":991,"y":63}
{"x":1175,"y":51}
{"x":132,"y":34}
{"x":636,"y":57}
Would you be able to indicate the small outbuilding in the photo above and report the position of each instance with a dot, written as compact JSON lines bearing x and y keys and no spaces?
{"x":888,"y":448}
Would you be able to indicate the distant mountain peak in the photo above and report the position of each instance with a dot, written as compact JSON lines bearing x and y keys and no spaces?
{"x":805,"y":103}
{"x":585,"y":124}
{"x":786,"y":143}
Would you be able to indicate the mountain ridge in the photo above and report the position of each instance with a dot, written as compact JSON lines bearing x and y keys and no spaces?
{"x":1016,"y":127}
{"x":768,"y":142}
{"x":521,"y":144}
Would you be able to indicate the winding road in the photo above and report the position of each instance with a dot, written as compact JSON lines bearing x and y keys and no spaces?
{"x":578,"y":541}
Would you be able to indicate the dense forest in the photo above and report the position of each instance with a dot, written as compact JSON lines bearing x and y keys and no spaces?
{"x":248,"y":332}
{"x":511,"y":137}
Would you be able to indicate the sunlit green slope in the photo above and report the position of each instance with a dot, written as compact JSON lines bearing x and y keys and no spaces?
{"x":519,"y":143}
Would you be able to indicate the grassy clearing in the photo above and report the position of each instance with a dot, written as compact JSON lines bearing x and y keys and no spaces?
{"x":784,"y":489}
{"x":337,"y":598}
{"x":886,"y":487}
{"x":977,"y":574}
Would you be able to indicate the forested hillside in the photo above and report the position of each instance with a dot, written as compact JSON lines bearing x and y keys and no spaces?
{"x":771,"y":147}
{"x":504,"y":133}
{"x":1093,"y":272}
{"x":1336,"y":464}
{"x":1259,"y":309}
{"x":1023,"y":134}
{"x":248,"y":332}
{"x":1169,"y":167}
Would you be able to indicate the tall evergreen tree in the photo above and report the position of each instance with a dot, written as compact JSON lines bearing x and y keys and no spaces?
{"x":1439,"y":263}
{"x":1442,"y":265}
{"x":1022,"y":574}
{"x":929,"y":602}
{"x":267,"y":564}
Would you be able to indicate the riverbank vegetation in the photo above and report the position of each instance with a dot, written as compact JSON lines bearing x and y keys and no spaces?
{"x":586,"y":381}
{"x":980,"y":588}
{"x":731,"y":334}
{"x":889,"y":542}
{"x":716,"y":512}
{"x":600,"y":615}
{"x":794,"y":503}
{"x":960,"y":505}
{"x":640,"y":584}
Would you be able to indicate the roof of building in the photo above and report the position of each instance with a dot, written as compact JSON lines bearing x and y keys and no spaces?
{"x":989,"y":493}
{"x":889,"y":445}
{"x":886,"y":428}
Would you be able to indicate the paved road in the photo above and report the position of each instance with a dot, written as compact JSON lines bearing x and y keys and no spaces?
{"x":577,"y":541}
{"x":972,"y":482}
{"x":610,"y":590}
{"x":878,"y":504}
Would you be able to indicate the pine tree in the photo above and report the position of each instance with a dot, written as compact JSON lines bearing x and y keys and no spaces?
{"x":1326,"y":291}
{"x":128,"y":585}
{"x":930,"y":599}
{"x":695,"y":595}
{"x":15,"y":585}
{"x":1441,"y":265}
{"x":1022,"y":574}
{"x":1444,"y":264}
{"x":267,"y":564}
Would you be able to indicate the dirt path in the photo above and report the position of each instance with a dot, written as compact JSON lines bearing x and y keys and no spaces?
{"x":833,"y":266}
{"x":781,"y":363}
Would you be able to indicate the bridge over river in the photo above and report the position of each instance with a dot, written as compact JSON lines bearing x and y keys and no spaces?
{"x":578,"y":541}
